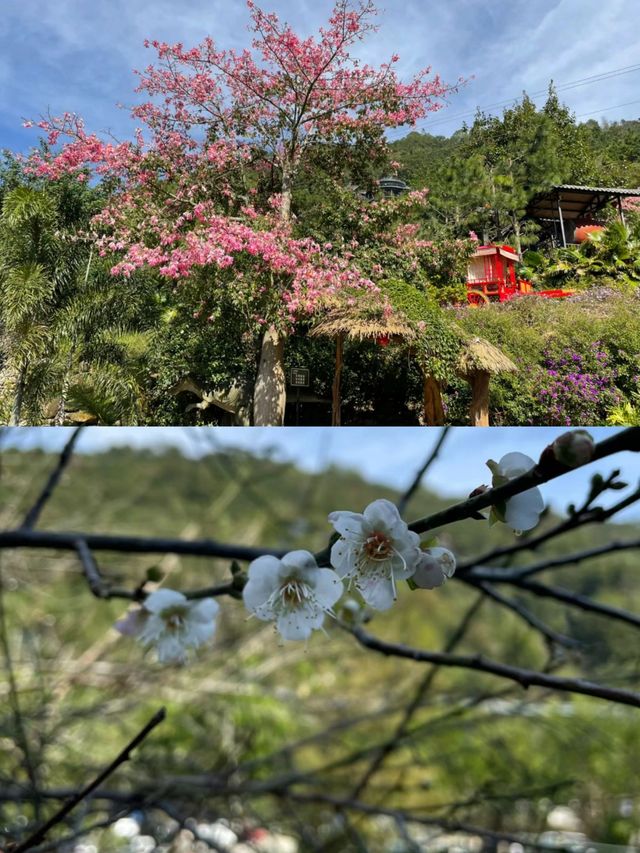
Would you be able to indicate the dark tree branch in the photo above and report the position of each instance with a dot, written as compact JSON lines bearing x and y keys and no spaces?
{"x":33,"y":514}
{"x":573,"y":559}
{"x":628,"y":439}
{"x":431,"y":458}
{"x":525,"y":677}
{"x":585,"y":515}
{"x":22,"y":538}
{"x":527,"y":616}
{"x":582,"y":602}
{"x":41,"y":833}
{"x":442,"y":823}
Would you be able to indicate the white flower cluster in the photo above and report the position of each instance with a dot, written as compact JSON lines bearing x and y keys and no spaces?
{"x":374,"y":551}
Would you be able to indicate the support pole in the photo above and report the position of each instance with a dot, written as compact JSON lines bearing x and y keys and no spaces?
{"x":564,"y":236}
{"x":621,"y":211}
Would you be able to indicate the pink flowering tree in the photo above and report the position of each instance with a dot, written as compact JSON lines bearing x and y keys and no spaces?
{"x":183,"y":190}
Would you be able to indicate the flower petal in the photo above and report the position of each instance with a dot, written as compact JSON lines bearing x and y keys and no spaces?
{"x":428,"y":574}
{"x":327,"y":587}
{"x":445,"y":559}
{"x":264,"y":580}
{"x":515,"y":464}
{"x":523,"y":511}
{"x":343,"y":558}
{"x":376,"y":591}
{"x":162,"y":599}
{"x":347,"y":524}
{"x":132,"y":624}
{"x":204,"y":610}
{"x":297,"y":624}
{"x":303,"y":563}
{"x":197,"y":633}
{"x":170,"y":650}
{"x":384,"y":516}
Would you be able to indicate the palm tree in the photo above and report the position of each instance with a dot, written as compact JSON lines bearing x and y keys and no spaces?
{"x":30,"y":279}
{"x":69,"y":331}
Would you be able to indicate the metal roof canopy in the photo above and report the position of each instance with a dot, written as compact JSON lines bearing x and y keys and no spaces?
{"x":570,"y":202}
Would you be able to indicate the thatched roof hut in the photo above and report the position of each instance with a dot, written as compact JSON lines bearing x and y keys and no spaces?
{"x":478,"y":362}
{"x":359,"y":323}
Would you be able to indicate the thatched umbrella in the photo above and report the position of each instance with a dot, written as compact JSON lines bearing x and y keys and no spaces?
{"x":478,"y":362}
{"x":359,"y":323}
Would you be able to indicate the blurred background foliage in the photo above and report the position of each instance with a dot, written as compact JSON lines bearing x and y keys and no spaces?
{"x":478,"y":750}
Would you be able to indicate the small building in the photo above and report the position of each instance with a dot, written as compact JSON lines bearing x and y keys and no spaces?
{"x":566,"y":207}
{"x":392,"y":186}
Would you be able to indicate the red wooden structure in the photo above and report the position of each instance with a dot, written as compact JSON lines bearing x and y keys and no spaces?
{"x":492,"y":277}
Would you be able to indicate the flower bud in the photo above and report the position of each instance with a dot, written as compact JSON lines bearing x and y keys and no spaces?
{"x":574,"y":448}
{"x":434,"y":567}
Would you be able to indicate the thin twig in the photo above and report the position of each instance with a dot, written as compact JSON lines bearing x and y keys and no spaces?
{"x":33,"y":514}
{"x":431,"y":458}
{"x":527,"y":616}
{"x":14,"y":701}
{"x":40,"y":834}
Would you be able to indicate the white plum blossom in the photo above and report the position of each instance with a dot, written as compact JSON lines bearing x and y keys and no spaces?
{"x":375,"y":550}
{"x":171,"y":623}
{"x":520,"y":512}
{"x":293,"y":592}
{"x":435,"y":566}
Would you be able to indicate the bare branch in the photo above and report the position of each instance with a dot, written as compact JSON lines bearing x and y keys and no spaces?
{"x":431,"y":458}
{"x":525,"y":677}
{"x":33,"y":514}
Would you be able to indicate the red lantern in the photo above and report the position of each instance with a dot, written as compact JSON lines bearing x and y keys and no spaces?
{"x":383,"y":341}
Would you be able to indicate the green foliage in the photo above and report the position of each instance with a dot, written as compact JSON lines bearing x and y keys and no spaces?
{"x":530,"y":330}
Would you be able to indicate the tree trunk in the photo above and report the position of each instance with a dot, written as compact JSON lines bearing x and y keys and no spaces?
{"x":16,"y":410}
{"x":287,"y":186}
{"x":62,"y":403}
{"x":337,"y":397}
{"x":516,"y":233}
{"x":433,"y":408}
{"x":480,"y":399}
{"x":270,"y":395}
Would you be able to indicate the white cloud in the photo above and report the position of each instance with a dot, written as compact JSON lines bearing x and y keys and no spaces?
{"x":78,"y":54}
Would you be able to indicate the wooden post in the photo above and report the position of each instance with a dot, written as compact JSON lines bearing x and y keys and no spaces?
{"x":479,"y":398}
{"x":433,"y":408}
{"x":336,"y":398}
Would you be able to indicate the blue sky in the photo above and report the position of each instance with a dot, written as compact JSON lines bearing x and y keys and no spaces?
{"x":77,"y":55}
{"x":389,"y":456}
